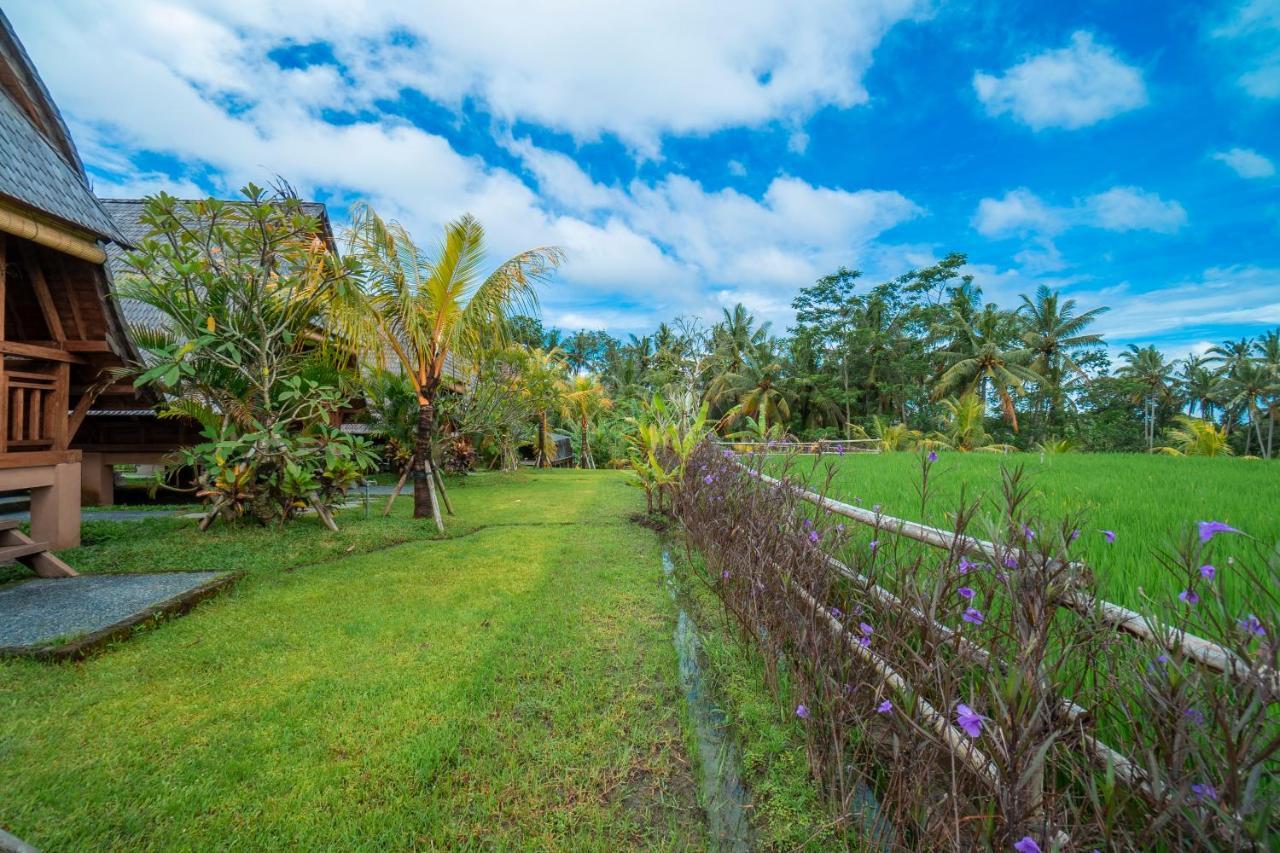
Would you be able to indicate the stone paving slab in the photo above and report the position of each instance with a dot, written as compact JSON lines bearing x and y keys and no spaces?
{"x":37,"y":612}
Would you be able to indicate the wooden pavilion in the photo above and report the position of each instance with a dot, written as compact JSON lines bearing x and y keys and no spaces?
{"x":60,"y":330}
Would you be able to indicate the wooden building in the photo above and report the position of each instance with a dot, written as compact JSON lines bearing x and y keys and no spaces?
{"x":61,"y":332}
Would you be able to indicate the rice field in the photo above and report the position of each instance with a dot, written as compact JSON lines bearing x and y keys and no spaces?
{"x":1148,"y":502}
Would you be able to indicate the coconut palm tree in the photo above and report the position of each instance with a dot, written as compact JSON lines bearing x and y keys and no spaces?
{"x":1201,"y":385}
{"x":1054,"y":332}
{"x":1244,"y":390}
{"x":543,"y":384}
{"x":430,"y":310}
{"x":981,"y":357}
{"x":1197,"y":437}
{"x":583,"y":399}
{"x":756,"y":388}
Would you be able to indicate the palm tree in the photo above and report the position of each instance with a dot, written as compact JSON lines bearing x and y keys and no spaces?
{"x":430,"y":312}
{"x":1197,"y":437}
{"x":756,"y":387}
{"x":1053,"y":331}
{"x":1152,"y":379}
{"x":981,"y":356}
{"x":1201,"y":385}
{"x":1243,"y":390}
{"x":1268,"y":349}
{"x":584,"y":398}
{"x":543,"y":383}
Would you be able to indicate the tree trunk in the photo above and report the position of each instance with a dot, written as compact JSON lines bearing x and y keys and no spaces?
{"x":424,"y":487}
{"x":543,"y":461}
{"x":585,"y":461}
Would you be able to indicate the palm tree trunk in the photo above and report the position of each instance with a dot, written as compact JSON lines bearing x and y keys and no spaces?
{"x":425,"y":504}
{"x":542,"y":460}
{"x":585,"y":462}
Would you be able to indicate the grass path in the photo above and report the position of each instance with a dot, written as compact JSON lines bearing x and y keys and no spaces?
{"x":512,"y":686}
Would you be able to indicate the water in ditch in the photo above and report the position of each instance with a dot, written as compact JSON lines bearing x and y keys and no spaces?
{"x":726,"y":799}
{"x":723,"y":794}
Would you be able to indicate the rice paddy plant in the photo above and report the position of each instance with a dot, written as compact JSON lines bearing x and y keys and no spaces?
{"x":980,"y":711}
{"x":1130,"y":506}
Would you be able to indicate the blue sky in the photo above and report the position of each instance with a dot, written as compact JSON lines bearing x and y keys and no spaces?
{"x":687,"y":158}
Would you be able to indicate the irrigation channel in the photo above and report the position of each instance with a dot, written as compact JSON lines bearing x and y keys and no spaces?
{"x":726,"y":798}
{"x":723,"y":794}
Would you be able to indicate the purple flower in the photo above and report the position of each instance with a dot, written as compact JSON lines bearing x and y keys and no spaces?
{"x":875,"y":543}
{"x":965,"y":592}
{"x":839,"y":528}
{"x":1162,"y":659}
{"x":1026,"y":844}
{"x":1028,"y":532}
{"x":1194,"y":715}
{"x":933,"y":456}
{"x":835,"y":611}
{"x":708,"y":479}
{"x":1207,"y":572}
{"x":728,"y":454}
{"x":965,"y":565}
{"x":969,"y":720}
{"x":1075,"y":534}
{"x":840,"y":450}
{"x":866,"y":629}
{"x":884,"y":707}
{"x":1205,"y":792}
{"x":1011,"y":562}
{"x":1251,"y":625}
{"x":1189,"y":597}
{"x":1109,"y":535}
{"x":1209,"y":529}
{"x":802,"y":712}
{"x":813,"y":536}
{"x":974,"y":616}
{"x":725,"y":574}
{"x":807,"y":524}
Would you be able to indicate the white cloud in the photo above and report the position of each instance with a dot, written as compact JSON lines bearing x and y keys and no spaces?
{"x":1019,"y":212}
{"x":737,"y":169}
{"x":1022,"y":213}
{"x":1133,"y":209}
{"x":1246,"y":163}
{"x":1071,"y":87}
{"x":195,"y":84}
{"x":1252,"y":32}
{"x":1222,"y":296}
{"x":639,"y":71}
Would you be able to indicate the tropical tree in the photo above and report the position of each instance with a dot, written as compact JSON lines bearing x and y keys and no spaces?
{"x":1201,"y":385}
{"x":583,"y":399}
{"x":243,"y":349}
{"x":1055,"y":333}
{"x":755,"y":388}
{"x":543,"y":384}
{"x":1197,"y":437}
{"x":981,"y":356}
{"x":434,"y":311}
{"x":1245,"y":389}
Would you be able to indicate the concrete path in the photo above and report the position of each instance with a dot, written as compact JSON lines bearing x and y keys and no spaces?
{"x":34,"y":612}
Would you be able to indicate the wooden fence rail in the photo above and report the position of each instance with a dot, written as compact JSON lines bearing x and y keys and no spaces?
{"x":1121,"y":619}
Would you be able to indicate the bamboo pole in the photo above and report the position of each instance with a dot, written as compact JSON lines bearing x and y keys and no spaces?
{"x":956,"y":741}
{"x":46,"y":234}
{"x":1207,"y":654}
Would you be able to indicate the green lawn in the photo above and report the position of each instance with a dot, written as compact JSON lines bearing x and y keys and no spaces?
{"x":1148,"y":501}
{"x":513,"y":685}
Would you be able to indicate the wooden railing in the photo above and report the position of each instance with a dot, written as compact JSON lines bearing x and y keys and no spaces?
{"x":33,"y":404}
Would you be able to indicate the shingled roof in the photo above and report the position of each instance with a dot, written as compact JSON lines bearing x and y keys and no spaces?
{"x":39,"y":167}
